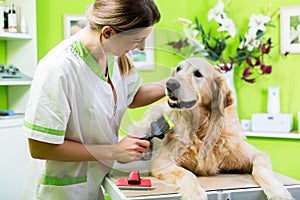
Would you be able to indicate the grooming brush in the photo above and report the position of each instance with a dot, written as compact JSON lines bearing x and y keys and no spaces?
{"x":134,"y":182}
{"x":159,"y":128}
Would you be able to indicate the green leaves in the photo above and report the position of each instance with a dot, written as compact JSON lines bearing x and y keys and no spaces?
{"x":214,"y":46}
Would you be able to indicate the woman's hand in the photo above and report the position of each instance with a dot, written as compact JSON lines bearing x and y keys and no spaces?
{"x":130,"y":148}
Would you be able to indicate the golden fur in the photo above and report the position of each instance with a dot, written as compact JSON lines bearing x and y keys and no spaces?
{"x":207,"y":138}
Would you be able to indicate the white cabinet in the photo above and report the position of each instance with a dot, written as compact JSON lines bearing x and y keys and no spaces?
{"x":21,"y":51}
{"x":15,"y":159}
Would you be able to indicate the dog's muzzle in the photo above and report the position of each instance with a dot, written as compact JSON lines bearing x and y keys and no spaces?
{"x":172,"y":89}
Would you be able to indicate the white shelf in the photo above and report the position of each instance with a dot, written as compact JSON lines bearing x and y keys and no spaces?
{"x":17,"y":79}
{"x":15,"y":82}
{"x":14,"y":36}
{"x":21,"y":51}
{"x":292,"y":135}
{"x":11,"y":121}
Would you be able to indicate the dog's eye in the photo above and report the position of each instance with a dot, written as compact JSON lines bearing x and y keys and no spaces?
{"x":178,"y":69}
{"x":197,"y":74}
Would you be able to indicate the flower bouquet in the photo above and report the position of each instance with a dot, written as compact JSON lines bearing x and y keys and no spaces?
{"x":251,"y":52}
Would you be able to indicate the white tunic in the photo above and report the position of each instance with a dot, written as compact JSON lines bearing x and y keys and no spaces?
{"x":71,"y":99}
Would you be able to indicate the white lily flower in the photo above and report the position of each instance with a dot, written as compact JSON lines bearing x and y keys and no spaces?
{"x":193,"y":26}
{"x":252,"y":31}
{"x":229,"y":26}
{"x":195,"y":33}
{"x":242,"y":44}
{"x":216,"y":12}
{"x":253,"y":44}
{"x":257,"y":22}
{"x":250,"y":36}
{"x":197,"y":43}
{"x":250,"y":41}
{"x":220,"y":17}
{"x":189,"y":32}
{"x":184,"y":21}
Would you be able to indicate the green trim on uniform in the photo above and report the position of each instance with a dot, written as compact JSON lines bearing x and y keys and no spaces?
{"x":44,"y":129}
{"x":58,"y":181}
{"x":87,"y":57}
{"x":135,"y":88}
{"x":110,"y":64}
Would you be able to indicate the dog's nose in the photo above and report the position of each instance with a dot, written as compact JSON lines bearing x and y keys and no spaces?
{"x":172,"y":84}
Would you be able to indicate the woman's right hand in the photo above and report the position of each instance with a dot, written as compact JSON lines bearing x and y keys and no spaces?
{"x":130,"y":148}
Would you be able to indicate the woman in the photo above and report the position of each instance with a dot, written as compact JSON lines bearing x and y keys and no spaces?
{"x":78,"y":97}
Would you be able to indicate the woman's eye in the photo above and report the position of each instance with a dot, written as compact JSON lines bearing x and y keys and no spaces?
{"x":138,"y":41}
{"x":197,"y":74}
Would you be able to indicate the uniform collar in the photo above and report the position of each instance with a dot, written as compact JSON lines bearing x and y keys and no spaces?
{"x":87,"y":57}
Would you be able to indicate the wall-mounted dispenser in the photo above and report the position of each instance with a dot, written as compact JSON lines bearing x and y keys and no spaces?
{"x":273,"y":100}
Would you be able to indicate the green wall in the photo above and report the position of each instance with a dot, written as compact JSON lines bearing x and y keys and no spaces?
{"x":284,"y":153}
{"x":3,"y":98}
{"x":50,"y":21}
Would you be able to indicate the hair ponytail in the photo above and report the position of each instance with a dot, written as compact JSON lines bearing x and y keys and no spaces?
{"x":125,"y":64}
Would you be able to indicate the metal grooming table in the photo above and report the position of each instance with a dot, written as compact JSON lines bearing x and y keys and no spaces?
{"x":220,"y":187}
{"x":161,"y":191}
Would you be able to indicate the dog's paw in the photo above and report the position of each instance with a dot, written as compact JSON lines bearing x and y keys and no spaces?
{"x":192,"y":190}
{"x":287,"y":197}
{"x":281,"y":198}
{"x":282,"y":194}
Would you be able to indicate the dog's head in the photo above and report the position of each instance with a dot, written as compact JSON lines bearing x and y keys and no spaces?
{"x":195,"y":81}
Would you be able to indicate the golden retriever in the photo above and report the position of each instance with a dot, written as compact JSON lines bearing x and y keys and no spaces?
{"x":207,"y":138}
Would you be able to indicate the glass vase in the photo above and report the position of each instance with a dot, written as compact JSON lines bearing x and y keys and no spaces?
{"x":229,"y":78}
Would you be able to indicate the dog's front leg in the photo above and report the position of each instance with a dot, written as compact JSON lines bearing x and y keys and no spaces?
{"x":184,"y":181}
{"x":263,"y":174}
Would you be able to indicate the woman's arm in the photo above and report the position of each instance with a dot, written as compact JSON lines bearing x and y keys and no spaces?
{"x":148,"y":94}
{"x":129,"y":149}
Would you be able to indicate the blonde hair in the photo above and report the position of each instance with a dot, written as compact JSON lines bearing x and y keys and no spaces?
{"x":122,"y":15}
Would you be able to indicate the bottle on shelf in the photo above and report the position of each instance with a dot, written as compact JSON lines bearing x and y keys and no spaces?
{"x":12,"y":19}
{"x":2,"y":10}
{"x":23,"y":25}
{"x":5,"y":19}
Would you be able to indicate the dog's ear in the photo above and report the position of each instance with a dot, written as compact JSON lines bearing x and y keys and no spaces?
{"x":220,"y":99}
{"x":221,"y":95}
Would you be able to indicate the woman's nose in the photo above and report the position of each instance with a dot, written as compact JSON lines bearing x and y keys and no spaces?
{"x":141,"y":46}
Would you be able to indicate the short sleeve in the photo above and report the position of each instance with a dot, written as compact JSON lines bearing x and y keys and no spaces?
{"x":48,"y":109}
{"x":134,"y":81}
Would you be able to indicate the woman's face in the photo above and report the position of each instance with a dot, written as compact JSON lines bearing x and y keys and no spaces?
{"x":122,"y":43}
